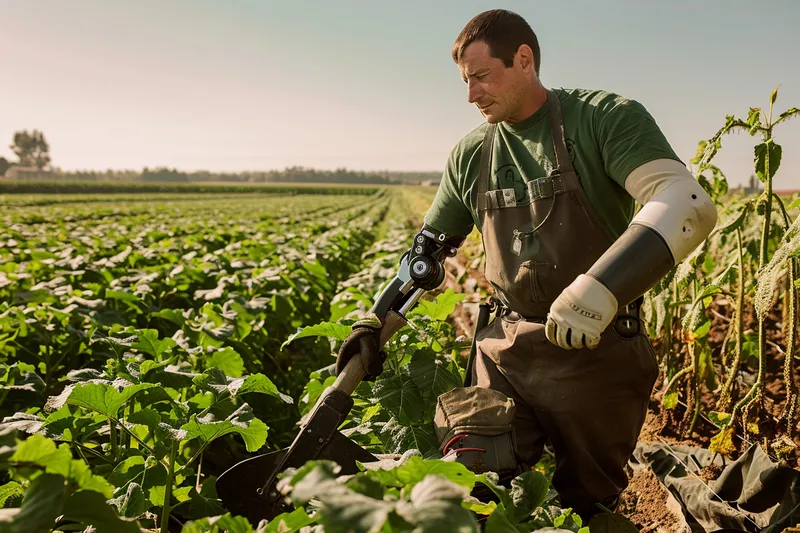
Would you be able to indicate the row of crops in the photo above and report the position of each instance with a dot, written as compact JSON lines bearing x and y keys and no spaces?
{"x":142,"y":355}
{"x":131,"y":340}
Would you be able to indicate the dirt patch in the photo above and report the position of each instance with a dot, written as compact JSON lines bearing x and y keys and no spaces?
{"x":645,"y":503}
{"x":709,"y":473}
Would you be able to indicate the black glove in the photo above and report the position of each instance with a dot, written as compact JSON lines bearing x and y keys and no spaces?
{"x":363,"y":341}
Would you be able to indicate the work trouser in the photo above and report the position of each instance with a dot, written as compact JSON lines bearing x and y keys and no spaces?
{"x":590,"y":404}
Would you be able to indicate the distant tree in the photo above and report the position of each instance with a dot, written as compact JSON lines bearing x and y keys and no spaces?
{"x":31,"y":149}
{"x":163,"y":174}
{"x":4,"y":164}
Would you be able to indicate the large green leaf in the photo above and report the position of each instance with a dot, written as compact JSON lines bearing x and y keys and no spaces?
{"x":150,"y":344}
{"x":343,"y":510}
{"x":431,"y":376}
{"x":399,"y":395}
{"x":498,"y":522}
{"x":416,"y":469}
{"x":435,"y":505}
{"x":323,"y":329}
{"x":528,"y":492}
{"x":100,"y":397}
{"x":40,"y":451}
{"x":242,"y":421}
{"x":204,"y":503}
{"x":91,"y":509}
{"x":258,"y":383}
{"x":225,"y":524}
{"x":10,"y":491}
{"x":131,"y":502}
{"x":228,"y":361}
{"x":399,"y":439}
{"x":127,"y":470}
{"x":351,"y":512}
{"x":761,"y":150}
{"x":442,"y":307}
{"x":43,"y":503}
{"x":289,"y":522}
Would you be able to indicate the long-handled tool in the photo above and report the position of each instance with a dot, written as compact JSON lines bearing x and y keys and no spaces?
{"x":248,"y":488}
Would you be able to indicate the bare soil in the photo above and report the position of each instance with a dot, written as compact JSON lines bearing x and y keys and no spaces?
{"x":645,"y":503}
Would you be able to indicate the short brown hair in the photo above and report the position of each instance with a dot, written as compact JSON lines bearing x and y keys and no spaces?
{"x":503,"y":31}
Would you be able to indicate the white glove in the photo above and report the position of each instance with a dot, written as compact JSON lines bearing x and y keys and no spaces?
{"x":584,"y":310}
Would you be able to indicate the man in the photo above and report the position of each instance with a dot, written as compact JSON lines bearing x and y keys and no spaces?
{"x":551,"y":180}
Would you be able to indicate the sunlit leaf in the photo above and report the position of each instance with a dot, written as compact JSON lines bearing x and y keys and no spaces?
{"x":761,"y":151}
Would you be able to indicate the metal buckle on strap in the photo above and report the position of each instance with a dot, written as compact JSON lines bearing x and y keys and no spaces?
{"x":545,"y":187}
{"x":513,"y":316}
{"x":632,"y":310}
{"x":498,"y":198}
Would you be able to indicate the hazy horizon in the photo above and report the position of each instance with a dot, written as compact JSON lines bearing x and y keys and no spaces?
{"x":259,"y":86}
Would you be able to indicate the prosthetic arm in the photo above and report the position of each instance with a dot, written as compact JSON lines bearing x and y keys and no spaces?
{"x":421,"y":269}
{"x":676,"y":216}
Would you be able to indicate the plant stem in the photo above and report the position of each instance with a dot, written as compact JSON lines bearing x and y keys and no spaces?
{"x":757,"y":391}
{"x":678,"y":376}
{"x":674,"y":310}
{"x":199,"y":468}
{"x":140,"y":441}
{"x":790,"y":409}
{"x":694,"y":354}
{"x":197,"y":454}
{"x":763,"y":260}
{"x":725,"y":399}
{"x":113,"y":439}
{"x":789,"y":321}
{"x":129,"y":440}
{"x":668,"y":371}
{"x":168,"y":494}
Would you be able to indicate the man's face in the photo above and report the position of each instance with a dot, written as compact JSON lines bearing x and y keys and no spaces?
{"x":495,"y":89}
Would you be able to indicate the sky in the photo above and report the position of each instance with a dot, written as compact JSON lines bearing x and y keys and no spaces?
{"x":370,"y":85}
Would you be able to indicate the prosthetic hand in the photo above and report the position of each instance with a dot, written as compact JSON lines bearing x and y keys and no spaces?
{"x":421,"y":269}
{"x":676,"y":216}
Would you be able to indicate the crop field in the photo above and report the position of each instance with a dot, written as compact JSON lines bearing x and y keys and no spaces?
{"x":150,"y":339}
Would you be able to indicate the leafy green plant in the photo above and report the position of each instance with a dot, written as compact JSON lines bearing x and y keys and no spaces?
{"x":738,"y":266}
{"x":145,"y":425}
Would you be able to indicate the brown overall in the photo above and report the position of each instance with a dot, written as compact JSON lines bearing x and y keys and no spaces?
{"x":590,"y":404}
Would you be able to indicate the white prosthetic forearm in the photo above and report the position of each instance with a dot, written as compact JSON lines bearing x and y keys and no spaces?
{"x":674,"y":205}
{"x":676,"y":216}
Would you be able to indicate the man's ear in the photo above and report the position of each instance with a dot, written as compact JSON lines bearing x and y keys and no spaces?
{"x":524,"y":58}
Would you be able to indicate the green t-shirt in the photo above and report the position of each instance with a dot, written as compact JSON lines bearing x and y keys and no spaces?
{"x":607,"y":137}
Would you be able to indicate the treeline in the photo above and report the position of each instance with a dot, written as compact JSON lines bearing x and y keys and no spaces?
{"x":33,"y":154}
{"x":295,"y":174}
{"x":140,"y":187}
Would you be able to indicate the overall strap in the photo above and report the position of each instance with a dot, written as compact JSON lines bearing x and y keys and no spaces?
{"x":487,"y":148}
{"x":563,"y":162}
